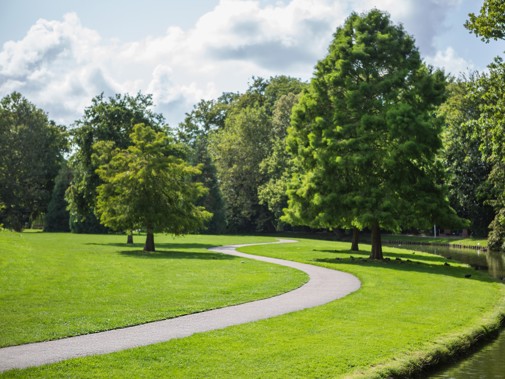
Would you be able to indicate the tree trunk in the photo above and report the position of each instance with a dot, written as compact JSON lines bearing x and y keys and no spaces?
{"x":149,"y":246}
{"x":355,"y":239}
{"x":129,"y":238}
{"x":376,"y":242}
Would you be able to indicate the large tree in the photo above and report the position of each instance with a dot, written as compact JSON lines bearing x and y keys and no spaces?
{"x":31,"y":153}
{"x":106,"y":119}
{"x":365,"y":135}
{"x":148,"y":185}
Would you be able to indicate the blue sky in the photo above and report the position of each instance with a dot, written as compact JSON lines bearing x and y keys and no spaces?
{"x":61,"y":53}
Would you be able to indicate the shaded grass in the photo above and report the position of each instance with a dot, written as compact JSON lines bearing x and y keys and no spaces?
{"x":57,"y":285}
{"x":405,"y":315}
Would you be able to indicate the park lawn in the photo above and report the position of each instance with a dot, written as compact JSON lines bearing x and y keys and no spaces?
{"x":54,"y":285}
{"x":406,"y":314}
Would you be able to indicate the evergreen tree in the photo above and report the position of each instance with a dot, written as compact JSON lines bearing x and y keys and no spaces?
{"x":365,"y":135}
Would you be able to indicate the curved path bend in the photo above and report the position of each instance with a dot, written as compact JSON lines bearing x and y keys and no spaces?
{"x":324,"y":285}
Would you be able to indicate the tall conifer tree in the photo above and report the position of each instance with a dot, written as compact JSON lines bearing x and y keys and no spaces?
{"x":365,"y":135}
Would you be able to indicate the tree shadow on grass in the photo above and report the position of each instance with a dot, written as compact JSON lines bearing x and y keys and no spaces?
{"x":407,"y":262}
{"x":172,"y":254}
{"x":175,"y":246}
{"x":391,"y":255}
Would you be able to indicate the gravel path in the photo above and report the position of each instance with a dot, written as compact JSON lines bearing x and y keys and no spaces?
{"x":325,"y":285}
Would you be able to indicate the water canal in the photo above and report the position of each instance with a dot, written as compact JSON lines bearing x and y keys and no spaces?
{"x":489,"y":361}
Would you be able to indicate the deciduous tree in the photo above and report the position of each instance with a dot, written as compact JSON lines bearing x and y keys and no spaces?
{"x":148,"y":185}
{"x":467,"y":170}
{"x":106,"y":119}
{"x":490,"y":22}
{"x":31,"y":153}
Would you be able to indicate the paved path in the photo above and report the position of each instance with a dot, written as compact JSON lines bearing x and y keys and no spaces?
{"x":324,"y":286}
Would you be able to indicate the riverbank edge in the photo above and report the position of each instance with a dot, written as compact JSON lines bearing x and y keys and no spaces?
{"x":399,"y":243}
{"x":443,"y":351}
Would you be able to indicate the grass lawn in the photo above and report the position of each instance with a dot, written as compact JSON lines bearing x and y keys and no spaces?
{"x":57,"y":285}
{"x":406,"y":313}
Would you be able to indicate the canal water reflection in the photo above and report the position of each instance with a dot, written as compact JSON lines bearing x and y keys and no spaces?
{"x":489,"y":362}
{"x":494,"y":263}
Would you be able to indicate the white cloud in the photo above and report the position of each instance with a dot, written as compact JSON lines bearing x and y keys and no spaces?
{"x":61,"y":65}
{"x":450,"y":61}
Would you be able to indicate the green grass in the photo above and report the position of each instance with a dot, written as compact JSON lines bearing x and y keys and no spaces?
{"x":406,"y":314}
{"x":57,"y":285}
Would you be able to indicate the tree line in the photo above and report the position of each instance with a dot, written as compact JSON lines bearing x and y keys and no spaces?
{"x":377,"y":140}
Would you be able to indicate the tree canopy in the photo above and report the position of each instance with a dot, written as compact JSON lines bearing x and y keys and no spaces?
{"x":106,"y":119}
{"x":31,"y":153}
{"x":467,"y":170}
{"x":490,"y":22}
{"x":148,"y":185}
{"x":365,"y":136}
{"x":238,"y":148}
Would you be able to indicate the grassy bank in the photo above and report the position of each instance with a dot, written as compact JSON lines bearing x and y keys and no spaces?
{"x":436,"y":240}
{"x":57,"y":285}
{"x":411,"y":310}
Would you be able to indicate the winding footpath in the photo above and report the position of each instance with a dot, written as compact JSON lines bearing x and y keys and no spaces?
{"x":324,"y":285}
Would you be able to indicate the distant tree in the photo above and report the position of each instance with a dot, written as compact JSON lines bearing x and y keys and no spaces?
{"x":206,"y":117}
{"x":364,"y":136}
{"x":490,"y":23}
{"x":57,"y":217}
{"x":468,"y":171}
{"x":238,"y":149}
{"x":148,"y":185}
{"x":490,"y":90}
{"x":31,"y":152}
{"x":276,"y":167}
{"x":106,"y":119}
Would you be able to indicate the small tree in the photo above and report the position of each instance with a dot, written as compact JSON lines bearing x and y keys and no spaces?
{"x":106,"y":119}
{"x":148,"y":185}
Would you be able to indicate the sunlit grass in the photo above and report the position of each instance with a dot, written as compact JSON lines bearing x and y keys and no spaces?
{"x":57,"y":285}
{"x":409,"y":311}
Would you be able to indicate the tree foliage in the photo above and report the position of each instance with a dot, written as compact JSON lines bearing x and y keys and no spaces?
{"x":490,"y":23}
{"x":206,"y":117}
{"x":276,"y":167}
{"x":57,"y":218}
{"x":490,"y":90}
{"x":31,"y":152}
{"x":238,"y":149}
{"x":106,"y":119}
{"x":467,"y":170}
{"x":365,"y":137}
{"x":148,"y":185}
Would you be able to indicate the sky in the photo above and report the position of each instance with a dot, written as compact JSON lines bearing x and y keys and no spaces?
{"x":59,"y":54}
